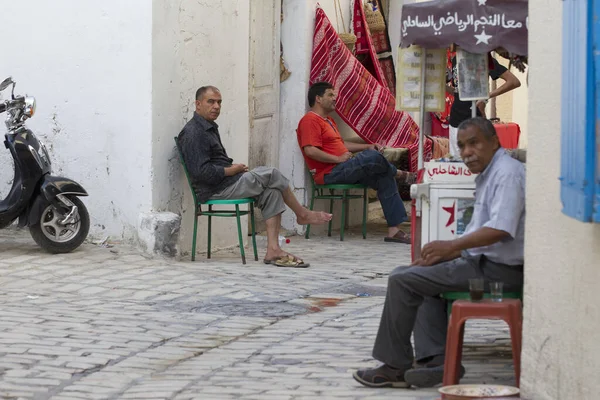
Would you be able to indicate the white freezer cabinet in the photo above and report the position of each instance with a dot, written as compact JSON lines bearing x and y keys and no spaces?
{"x":444,"y":202}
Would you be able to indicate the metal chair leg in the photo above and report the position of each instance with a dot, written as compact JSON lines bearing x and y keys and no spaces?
{"x":346,"y":220}
{"x":330,"y":212}
{"x":343,"y":221}
{"x":209,"y":228}
{"x":194,"y":235}
{"x":312,"y":204}
{"x":239,"y":228}
{"x":364,"y":222}
{"x":252,"y":226}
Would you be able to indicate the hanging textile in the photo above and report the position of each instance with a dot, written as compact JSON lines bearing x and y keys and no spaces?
{"x":383,"y":49}
{"x":440,"y":146}
{"x":365,"y":105}
{"x":440,"y":120}
{"x":365,"y":51}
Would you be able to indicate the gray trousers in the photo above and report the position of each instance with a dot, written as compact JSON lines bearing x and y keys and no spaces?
{"x":265,"y":184}
{"x":412,"y":303}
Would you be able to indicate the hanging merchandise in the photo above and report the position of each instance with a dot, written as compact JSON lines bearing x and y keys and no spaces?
{"x":472,"y":75}
{"x":365,"y":51}
{"x":284,"y":73}
{"x":374,"y":17}
{"x":380,"y":41}
{"x":408,"y":84}
{"x":348,"y":38}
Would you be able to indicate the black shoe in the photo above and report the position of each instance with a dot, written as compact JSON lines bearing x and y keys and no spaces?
{"x":428,"y":376}
{"x":381,"y":377}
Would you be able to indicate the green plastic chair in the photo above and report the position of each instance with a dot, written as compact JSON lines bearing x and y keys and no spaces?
{"x":452,"y":296}
{"x":317,"y":192}
{"x":198,"y":212}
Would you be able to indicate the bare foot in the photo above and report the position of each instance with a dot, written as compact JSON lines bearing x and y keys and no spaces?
{"x":314,"y":217}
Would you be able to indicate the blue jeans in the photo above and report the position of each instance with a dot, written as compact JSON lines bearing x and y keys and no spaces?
{"x":370,"y":168}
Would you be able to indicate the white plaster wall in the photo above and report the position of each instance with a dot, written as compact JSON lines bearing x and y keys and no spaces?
{"x":562,"y":313}
{"x":338,"y":22}
{"x":88,"y":65}
{"x":171,"y":108}
{"x":297,"y":31}
{"x":197,"y":44}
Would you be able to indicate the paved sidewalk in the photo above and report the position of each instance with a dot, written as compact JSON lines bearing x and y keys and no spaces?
{"x":109,"y":323}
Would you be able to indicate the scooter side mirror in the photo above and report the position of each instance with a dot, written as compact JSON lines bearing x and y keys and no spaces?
{"x":6,"y":83}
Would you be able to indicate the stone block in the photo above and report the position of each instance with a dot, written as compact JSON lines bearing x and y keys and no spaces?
{"x":158,"y":232}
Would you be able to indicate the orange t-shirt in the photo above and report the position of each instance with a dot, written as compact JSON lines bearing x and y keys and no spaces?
{"x":322,"y":133}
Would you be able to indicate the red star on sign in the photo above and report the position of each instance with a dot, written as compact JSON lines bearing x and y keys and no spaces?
{"x":451,"y":211}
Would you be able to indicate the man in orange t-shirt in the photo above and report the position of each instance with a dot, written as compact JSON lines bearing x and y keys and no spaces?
{"x":331,"y":160}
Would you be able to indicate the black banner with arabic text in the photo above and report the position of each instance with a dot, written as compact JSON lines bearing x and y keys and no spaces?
{"x":478,"y":26}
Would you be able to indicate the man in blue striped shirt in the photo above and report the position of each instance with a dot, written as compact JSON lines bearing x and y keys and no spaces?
{"x":491,"y":248}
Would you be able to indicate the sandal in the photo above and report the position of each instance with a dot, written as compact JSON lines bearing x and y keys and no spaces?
{"x":288,"y":261}
{"x":399,"y":237}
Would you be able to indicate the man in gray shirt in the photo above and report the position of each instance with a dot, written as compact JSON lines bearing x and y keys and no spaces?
{"x":491,"y":248}
{"x":215,"y":176}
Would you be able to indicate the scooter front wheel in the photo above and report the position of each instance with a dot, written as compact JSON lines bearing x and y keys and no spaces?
{"x":55,"y":235}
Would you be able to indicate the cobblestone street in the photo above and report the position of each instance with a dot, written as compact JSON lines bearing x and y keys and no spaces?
{"x":110,"y":323}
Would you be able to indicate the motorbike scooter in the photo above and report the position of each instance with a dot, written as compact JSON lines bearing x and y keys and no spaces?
{"x":49,"y":205}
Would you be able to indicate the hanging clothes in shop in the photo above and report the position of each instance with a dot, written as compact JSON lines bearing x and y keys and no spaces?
{"x":365,"y":51}
{"x":381,"y":44}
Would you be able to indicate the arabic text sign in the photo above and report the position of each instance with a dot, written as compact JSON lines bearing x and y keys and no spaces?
{"x":447,"y":172}
{"x":478,"y":26}
{"x":461,"y":22}
{"x":408,"y":83}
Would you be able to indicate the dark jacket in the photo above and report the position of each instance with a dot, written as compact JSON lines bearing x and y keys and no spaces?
{"x":205,"y":157}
